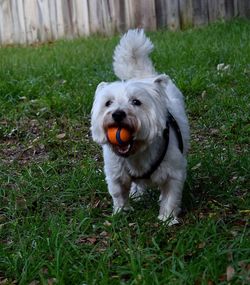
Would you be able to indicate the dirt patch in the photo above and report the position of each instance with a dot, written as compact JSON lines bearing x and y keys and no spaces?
{"x":20,"y":143}
{"x":31,"y":141}
{"x":13,"y":150}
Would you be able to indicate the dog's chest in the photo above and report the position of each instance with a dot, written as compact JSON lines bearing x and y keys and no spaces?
{"x":140,"y":164}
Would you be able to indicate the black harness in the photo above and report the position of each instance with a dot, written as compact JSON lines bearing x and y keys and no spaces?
{"x":171,"y":122}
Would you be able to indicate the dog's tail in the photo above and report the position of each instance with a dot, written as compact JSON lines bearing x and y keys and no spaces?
{"x":131,"y":56}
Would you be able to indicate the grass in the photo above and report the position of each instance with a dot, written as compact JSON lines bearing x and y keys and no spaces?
{"x":55,"y":223}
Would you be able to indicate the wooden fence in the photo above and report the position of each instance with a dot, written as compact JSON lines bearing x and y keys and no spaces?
{"x":31,"y":21}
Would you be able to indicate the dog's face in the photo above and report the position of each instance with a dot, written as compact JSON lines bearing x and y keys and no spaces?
{"x":138,"y":105}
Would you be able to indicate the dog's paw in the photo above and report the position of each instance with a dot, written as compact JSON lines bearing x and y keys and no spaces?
{"x":127,"y":208}
{"x":136,"y":196}
{"x":168,"y":220}
{"x":116,"y":210}
{"x":136,"y":192}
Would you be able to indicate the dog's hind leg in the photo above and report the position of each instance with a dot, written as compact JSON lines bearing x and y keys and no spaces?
{"x":171,"y":193}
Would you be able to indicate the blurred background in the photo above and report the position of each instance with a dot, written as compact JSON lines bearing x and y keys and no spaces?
{"x":32,"y":21}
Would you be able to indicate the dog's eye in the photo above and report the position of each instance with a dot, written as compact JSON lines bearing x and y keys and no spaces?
{"x":108,"y":103}
{"x":136,"y":102}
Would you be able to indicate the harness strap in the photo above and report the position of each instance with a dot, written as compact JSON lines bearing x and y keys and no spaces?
{"x":171,"y":122}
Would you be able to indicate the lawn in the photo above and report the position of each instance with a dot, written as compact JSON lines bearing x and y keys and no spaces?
{"x":55,"y":212}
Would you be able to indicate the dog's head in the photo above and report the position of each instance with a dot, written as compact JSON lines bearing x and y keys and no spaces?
{"x":137,"y":104}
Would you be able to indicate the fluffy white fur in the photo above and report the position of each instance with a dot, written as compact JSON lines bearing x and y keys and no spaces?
{"x":142,"y":99}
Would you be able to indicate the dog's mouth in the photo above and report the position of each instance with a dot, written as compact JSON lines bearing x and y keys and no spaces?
{"x":123,"y":150}
{"x":126,"y":148}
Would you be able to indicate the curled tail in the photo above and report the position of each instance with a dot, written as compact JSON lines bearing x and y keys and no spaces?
{"x":131,"y":56}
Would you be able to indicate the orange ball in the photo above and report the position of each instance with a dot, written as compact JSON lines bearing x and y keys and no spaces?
{"x":118,"y":136}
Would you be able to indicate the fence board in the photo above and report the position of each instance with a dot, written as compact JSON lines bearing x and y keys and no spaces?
{"x":7,"y":35}
{"x":161,"y":12}
{"x":216,"y":10}
{"x":95,"y":16}
{"x":29,"y":21}
{"x":229,"y":8}
{"x":244,"y":8}
{"x":144,"y":14}
{"x":129,"y":13}
{"x":67,"y":18}
{"x":200,"y":12}
{"x":57,"y":23}
{"x":118,"y":11}
{"x":53,"y":18}
{"x":18,"y":22}
{"x":82,"y":20}
{"x":173,"y":19}
{"x":186,"y":13}
{"x":107,"y":17}
{"x":117,"y":14}
{"x":44,"y":29}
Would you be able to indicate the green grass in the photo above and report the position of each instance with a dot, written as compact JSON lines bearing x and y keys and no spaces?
{"x":55,"y":223}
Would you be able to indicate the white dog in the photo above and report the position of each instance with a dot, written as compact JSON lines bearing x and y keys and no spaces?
{"x":152,"y":108}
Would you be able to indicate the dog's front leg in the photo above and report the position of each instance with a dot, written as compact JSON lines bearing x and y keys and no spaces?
{"x":170,"y":200}
{"x":120,"y":193}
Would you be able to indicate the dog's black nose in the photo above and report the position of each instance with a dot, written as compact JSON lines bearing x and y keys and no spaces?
{"x":118,"y":116}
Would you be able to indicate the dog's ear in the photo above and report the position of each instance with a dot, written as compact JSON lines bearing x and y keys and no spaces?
{"x":101,"y":85}
{"x":161,"y":79}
